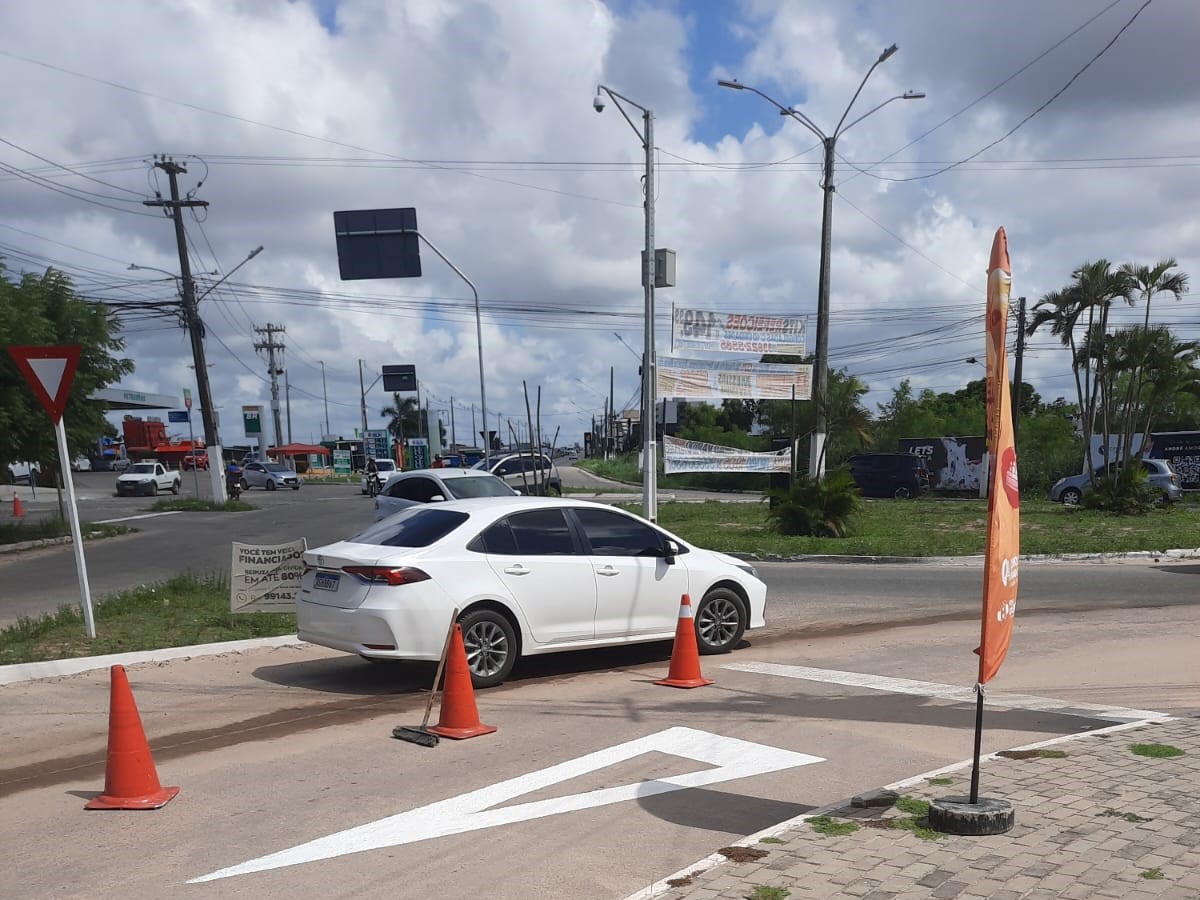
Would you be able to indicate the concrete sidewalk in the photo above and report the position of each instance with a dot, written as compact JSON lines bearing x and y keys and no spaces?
{"x":1100,"y":822}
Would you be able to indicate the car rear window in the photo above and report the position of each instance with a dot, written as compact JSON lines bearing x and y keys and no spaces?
{"x":478,"y":487}
{"x":419,"y":526}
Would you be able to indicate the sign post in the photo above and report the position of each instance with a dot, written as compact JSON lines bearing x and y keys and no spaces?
{"x":50,"y":371}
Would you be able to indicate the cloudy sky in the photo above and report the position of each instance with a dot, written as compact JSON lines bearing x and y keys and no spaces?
{"x":479,"y":114}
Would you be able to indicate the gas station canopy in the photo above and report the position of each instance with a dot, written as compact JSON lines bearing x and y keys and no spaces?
{"x":121,"y":398}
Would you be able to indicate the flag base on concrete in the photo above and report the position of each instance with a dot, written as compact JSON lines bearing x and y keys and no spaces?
{"x":958,"y":815}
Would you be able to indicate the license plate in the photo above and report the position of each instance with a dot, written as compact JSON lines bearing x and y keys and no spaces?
{"x":327,"y":581}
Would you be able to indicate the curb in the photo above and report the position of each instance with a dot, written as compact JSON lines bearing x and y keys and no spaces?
{"x":977,"y":559}
{"x":33,"y":545}
{"x":56,"y":668}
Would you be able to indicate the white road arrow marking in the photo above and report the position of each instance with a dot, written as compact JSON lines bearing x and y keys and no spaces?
{"x":730,"y":757}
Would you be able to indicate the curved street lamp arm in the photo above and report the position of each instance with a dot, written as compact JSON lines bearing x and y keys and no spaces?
{"x":908,"y":95}
{"x":253,"y":253}
{"x":882,"y":57}
{"x":783,"y":110}
{"x":616,"y":99}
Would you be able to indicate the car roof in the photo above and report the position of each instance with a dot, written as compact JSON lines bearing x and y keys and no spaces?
{"x":448,"y":472}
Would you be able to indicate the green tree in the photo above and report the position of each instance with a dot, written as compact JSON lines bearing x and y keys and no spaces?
{"x":42,"y":310}
{"x":404,"y":417}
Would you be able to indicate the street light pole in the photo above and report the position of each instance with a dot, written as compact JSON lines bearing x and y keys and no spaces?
{"x":649,"y":386}
{"x":816,"y":460}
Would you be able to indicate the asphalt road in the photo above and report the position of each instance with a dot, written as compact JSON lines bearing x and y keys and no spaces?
{"x":598,"y":782}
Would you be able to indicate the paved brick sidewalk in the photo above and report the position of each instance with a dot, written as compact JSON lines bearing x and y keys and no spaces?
{"x":1101,"y":822}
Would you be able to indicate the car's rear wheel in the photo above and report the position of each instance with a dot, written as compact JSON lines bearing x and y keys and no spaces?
{"x":721,"y":620}
{"x":1071,"y":497}
{"x":270,"y":485}
{"x":491,"y":646}
{"x":904,"y":492}
{"x":174,"y":487}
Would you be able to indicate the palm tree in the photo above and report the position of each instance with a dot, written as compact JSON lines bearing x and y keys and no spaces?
{"x":404,"y":417}
{"x":1096,"y":285}
{"x":1146,"y":282}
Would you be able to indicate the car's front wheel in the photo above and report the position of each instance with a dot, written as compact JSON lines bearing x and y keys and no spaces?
{"x":153,"y":488}
{"x":270,"y":485}
{"x":1071,"y":497}
{"x":491,"y":646}
{"x":904,"y":492}
{"x":721,"y":620}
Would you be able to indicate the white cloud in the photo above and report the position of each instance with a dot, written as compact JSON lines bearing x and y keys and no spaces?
{"x":479,"y":115}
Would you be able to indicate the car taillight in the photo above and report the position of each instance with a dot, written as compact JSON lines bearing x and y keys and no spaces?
{"x":393,"y":575}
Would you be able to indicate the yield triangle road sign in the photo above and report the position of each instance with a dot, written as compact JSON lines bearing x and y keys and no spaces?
{"x":49,"y":371}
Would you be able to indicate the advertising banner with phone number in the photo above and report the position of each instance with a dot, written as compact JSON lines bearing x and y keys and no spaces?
{"x":703,"y":379}
{"x":718,"y":332}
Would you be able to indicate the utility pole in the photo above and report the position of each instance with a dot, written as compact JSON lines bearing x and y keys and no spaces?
{"x":274,"y":369}
{"x":612,"y":419}
{"x":362,"y":392}
{"x":453,"y":435}
{"x":192,"y":321}
{"x":287,"y":394}
{"x":1016,"y":407}
{"x":325,"y":394}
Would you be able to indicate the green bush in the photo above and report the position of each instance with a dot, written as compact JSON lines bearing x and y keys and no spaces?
{"x":812,"y":508}
{"x":1128,"y":492}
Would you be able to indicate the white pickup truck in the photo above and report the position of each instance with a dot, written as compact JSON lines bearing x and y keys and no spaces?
{"x":147,"y":478}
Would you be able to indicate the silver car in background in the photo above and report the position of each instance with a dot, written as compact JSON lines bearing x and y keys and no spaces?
{"x":1069,"y":491}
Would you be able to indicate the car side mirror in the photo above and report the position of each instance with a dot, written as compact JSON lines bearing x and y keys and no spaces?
{"x":672,"y":551}
{"x":436,"y":498}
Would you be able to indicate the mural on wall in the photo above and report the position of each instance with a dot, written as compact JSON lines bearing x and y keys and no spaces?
{"x":954,"y":463}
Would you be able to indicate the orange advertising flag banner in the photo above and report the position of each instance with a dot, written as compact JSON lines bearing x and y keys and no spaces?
{"x":1002,"y":554}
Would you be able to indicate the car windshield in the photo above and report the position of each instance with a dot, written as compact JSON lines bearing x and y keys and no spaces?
{"x":276,"y":467}
{"x":142,"y":469}
{"x":478,"y":487}
{"x":385,"y":465}
{"x":417,"y":526}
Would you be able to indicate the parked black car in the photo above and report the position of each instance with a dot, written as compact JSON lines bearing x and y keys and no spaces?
{"x":899,"y":475}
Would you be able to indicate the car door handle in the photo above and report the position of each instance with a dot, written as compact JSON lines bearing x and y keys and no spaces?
{"x":518,"y":569}
{"x":608,"y":570}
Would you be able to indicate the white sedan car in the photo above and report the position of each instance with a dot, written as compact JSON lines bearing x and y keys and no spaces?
{"x":405,"y":489}
{"x":529,"y":575}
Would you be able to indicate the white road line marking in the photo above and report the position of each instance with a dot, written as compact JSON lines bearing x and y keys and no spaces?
{"x":153,"y":515}
{"x":731,"y":758}
{"x":954,"y":692}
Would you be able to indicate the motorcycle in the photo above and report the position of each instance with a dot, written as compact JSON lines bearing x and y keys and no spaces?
{"x":233,"y":485}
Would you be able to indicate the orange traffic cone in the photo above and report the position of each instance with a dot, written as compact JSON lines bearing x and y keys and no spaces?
{"x":458,"y":717}
{"x":130,"y":781}
{"x":685,"y":655}
{"x":18,"y":507}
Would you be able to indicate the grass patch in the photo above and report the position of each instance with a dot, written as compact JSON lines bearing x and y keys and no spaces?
{"x":771,"y":840}
{"x":918,"y":827}
{"x":1128,"y":817}
{"x":830,"y":827}
{"x":1155,"y":751}
{"x":1155,"y":874}
{"x":48,"y":529}
{"x":913,"y":806}
{"x":199,"y":504}
{"x":764,"y":892}
{"x":183,"y":611}
{"x":932,"y":527}
{"x":940,"y":781}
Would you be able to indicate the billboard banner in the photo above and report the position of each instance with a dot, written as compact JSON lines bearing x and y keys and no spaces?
{"x":1003,"y":547}
{"x":695,"y":456}
{"x":266,"y":578}
{"x":1182,"y":450}
{"x":702,"y":379}
{"x":717,"y":332}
